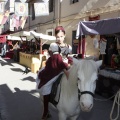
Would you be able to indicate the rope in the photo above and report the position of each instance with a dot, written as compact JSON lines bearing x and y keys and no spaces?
{"x":117,"y":101}
{"x":102,"y":100}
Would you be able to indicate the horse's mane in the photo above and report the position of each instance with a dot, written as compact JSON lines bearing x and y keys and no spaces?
{"x":86,"y":68}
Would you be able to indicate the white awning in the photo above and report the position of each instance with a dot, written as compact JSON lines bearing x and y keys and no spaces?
{"x":9,"y":37}
{"x":39,"y":35}
{"x":45,"y":38}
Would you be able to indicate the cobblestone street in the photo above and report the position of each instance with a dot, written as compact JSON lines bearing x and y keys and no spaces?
{"x":20,"y":101}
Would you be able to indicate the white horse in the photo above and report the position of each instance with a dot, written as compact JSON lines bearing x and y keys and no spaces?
{"x":77,"y":92}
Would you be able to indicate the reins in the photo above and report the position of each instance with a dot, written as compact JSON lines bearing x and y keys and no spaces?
{"x":116,"y":101}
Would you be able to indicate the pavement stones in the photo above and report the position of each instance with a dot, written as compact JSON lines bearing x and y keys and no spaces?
{"x":20,"y":101}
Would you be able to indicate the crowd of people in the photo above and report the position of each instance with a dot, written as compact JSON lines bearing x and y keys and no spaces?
{"x":24,"y":46}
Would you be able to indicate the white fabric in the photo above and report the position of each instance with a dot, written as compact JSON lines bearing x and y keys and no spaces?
{"x":53,"y":47}
{"x":115,"y":75}
{"x":56,"y":53}
{"x":102,"y":47}
{"x":95,"y":42}
{"x":46,"y":89}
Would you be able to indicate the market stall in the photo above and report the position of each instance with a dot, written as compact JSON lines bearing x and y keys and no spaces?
{"x":104,"y":27}
{"x":34,"y":60}
{"x":13,"y":47}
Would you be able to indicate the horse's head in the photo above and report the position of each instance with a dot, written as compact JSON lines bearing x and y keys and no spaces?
{"x":87,"y":76}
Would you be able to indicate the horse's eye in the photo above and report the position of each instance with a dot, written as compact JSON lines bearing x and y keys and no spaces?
{"x":78,"y":78}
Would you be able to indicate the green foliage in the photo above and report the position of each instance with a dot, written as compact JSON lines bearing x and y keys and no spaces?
{"x":117,"y":59}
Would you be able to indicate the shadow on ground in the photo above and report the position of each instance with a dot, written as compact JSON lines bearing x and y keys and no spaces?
{"x":21,"y":105}
{"x":17,"y":69}
{"x":29,"y":78}
{"x":3,"y":63}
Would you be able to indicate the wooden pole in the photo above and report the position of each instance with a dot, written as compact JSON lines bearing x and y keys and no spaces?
{"x":102,"y":59}
{"x":40,"y":46}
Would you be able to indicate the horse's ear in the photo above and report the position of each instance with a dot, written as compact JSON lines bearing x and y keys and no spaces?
{"x":99,"y":63}
{"x":75,"y":61}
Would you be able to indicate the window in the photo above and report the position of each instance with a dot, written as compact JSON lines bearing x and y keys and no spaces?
{"x":51,"y":4}
{"x":73,"y":1}
{"x":49,"y":32}
{"x":33,"y":12}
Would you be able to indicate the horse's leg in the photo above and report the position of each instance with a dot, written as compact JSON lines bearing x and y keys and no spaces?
{"x":74,"y":117}
{"x":62,"y":116}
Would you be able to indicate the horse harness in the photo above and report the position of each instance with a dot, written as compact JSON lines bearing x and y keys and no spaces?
{"x":84,"y":92}
{"x":56,"y":88}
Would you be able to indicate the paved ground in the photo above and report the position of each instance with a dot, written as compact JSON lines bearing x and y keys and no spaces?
{"x":20,"y":101}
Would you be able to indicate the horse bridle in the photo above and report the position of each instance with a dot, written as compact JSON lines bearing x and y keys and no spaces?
{"x":84,"y":92}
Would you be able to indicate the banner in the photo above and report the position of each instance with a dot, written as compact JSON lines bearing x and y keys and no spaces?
{"x":11,"y":24}
{"x":15,"y":22}
{"x":1,"y":18}
{"x":5,"y":18}
{"x":22,"y":21}
{"x":41,"y":9}
{"x":21,"y":9}
{"x":2,"y":7}
{"x":12,"y":5}
{"x":0,"y":30}
{"x":1,"y":27}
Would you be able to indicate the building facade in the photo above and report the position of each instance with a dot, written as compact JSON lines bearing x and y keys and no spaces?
{"x":68,"y":13}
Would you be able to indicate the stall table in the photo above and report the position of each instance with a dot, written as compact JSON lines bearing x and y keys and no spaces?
{"x":108,"y":82}
{"x":32,"y":61}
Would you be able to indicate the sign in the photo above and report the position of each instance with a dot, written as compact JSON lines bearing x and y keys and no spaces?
{"x":21,"y":9}
{"x":41,"y":9}
{"x":2,"y":7}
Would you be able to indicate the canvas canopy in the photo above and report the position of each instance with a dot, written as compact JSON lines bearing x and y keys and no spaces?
{"x":9,"y":37}
{"x":39,"y":35}
{"x":102,"y":27}
{"x":45,"y":38}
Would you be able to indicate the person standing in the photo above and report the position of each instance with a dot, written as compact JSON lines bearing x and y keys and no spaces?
{"x":60,"y":40}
